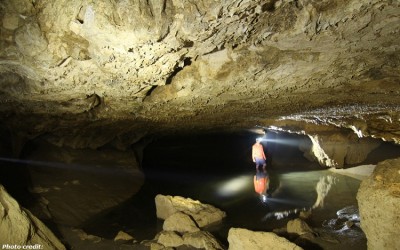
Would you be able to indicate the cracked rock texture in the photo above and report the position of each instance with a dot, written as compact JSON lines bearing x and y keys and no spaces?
{"x":98,"y":74}
{"x":70,"y":69}
{"x":240,"y":238}
{"x":19,"y":227}
{"x":379,"y":202}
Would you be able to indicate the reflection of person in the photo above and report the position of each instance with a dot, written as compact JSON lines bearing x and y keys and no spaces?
{"x":261,"y":183}
{"x":258,"y":155}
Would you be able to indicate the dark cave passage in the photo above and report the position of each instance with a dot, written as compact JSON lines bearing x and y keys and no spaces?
{"x":216,"y":169}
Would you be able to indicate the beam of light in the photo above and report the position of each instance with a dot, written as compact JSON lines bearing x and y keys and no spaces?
{"x":279,"y":141}
{"x":117,"y":170}
{"x":264,"y":198}
{"x":281,"y":201}
{"x":234,"y":186}
{"x":259,"y":131}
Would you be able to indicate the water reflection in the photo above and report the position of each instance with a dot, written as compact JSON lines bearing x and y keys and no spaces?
{"x":219,"y":171}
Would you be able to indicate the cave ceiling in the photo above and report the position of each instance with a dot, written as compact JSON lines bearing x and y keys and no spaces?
{"x":87,"y":73}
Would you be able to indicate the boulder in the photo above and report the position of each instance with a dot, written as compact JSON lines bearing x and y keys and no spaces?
{"x":240,"y":239}
{"x":84,"y":236}
{"x":169,"y":239}
{"x":305,"y":214}
{"x":202,"y":214}
{"x":379,"y":205}
{"x":18,"y":227}
{"x":202,"y":240}
{"x":123,"y":236}
{"x":180,"y":222}
{"x":298,"y":226}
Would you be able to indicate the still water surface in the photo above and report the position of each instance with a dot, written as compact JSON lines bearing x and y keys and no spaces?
{"x":218,"y":170}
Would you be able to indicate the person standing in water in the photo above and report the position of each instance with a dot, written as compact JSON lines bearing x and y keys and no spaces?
{"x":261,"y":178}
{"x":258,"y":155}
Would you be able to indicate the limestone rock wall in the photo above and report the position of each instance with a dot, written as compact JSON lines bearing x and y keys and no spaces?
{"x":18,"y":227}
{"x":327,"y":145}
{"x":336,"y":150}
{"x":69,"y":69}
{"x":379,"y":204}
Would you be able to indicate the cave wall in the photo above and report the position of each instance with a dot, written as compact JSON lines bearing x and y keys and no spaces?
{"x":379,"y":203}
{"x":338,"y":150}
{"x":64,"y":180}
{"x":71,"y":69}
{"x":92,"y":74}
{"x":19,"y":227}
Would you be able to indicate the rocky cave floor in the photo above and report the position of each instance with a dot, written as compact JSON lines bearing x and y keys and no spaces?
{"x":195,"y":167}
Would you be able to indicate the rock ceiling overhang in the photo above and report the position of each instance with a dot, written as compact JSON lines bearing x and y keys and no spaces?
{"x":107,"y":70}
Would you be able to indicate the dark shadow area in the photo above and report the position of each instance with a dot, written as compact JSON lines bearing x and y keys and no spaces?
{"x":216,"y":169}
{"x":284,"y":153}
{"x":387,"y":150}
{"x":14,"y":175}
{"x":186,"y":62}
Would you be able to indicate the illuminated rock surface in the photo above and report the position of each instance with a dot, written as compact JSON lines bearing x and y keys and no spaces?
{"x":105,"y":74}
{"x":245,"y":239}
{"x":181,"y":223}
{"x":194,"y":240}
{"x":379,"y":202}
{"x":202,"y":214}
{"x":19,"y":228}
{"x":135,"y":68}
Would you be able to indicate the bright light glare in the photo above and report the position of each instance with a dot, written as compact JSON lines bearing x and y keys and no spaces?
{"x":234,"y":186}
{"x":279,"y":141}
{"x":264,"y":198}
{"x":259,"y":131}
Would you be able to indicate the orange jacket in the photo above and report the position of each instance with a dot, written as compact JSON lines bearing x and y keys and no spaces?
{"x":261,"y":185}
{"x":258,"y":151}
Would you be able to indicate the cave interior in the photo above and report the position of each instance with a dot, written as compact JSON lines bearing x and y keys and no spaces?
{"x":105,"y":105}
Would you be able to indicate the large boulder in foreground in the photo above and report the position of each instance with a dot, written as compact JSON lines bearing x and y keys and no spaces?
{"x":181,"y":223}
{"x":202,"y":214}
{"x":379,"y":204}
{"x":198,"y":240}
{"x":18,"y":227}
{"x":240,"y":239}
